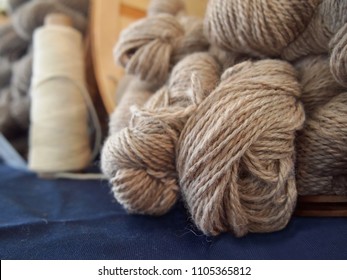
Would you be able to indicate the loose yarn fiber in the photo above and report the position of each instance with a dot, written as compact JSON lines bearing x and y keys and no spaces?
{"x":235,"y":155}
{"x":59,"y":139}
{"x":150,"y":47}
{"x":322,"y":150}
{"x":140,"y":159}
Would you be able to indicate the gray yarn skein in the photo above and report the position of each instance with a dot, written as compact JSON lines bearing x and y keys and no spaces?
{"x":11,"y":45}
{"x":32,"y":14}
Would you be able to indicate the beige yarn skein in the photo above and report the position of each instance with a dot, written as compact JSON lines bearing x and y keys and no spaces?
{"x":262,"y":27}
{"x":150,"y":47}
{"x":287,"y":28}
{"x":322,"y":150}
{"x":317,"y":81}
{"x":235,"y":156}
{"x":140,"y":159}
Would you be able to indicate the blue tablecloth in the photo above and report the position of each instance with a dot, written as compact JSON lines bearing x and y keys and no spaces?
{"x":65,"y":219}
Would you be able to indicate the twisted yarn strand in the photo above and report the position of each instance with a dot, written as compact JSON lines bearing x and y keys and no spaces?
{"x":235,"y":156}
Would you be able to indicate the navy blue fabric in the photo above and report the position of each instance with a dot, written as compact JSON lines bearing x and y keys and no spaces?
{"x":63,"y":219}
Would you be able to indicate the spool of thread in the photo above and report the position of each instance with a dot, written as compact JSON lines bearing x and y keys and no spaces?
{"x":59,"y":139}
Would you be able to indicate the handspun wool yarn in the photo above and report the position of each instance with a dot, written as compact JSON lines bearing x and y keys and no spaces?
{"x":322,"y":150}
{"x":140,"y":159}
{"x":286,"y":28}
{"x":150,"y":47}
{"x":235,"y":155}
{"x":262,"y":28}
{"x":317,"y":82}
{"x":338,"y":61}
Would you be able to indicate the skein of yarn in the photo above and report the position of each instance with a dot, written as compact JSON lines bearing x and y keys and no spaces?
{"x":260,"y":28}
{"x":140,"y":159}
{"x":235,"y":156}
{"x":322,"y":150}
{"x":317,"y":81}
{"x":338,"y":60}
{"x":59,"y":139}
{"x":32,"y":14}
{"x":329,"y":17}
{"x":145,"y":39}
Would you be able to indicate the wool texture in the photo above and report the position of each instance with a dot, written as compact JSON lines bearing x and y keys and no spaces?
{"x":145,"y":39}
{"x":262,"y":28}
{"x":322,"y":150}
{"x":317,"y":82}
{"x":136,"y":94}
{"x":338,"y":61}
{"x":140,"y":159}
{"x":235,"y":156}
